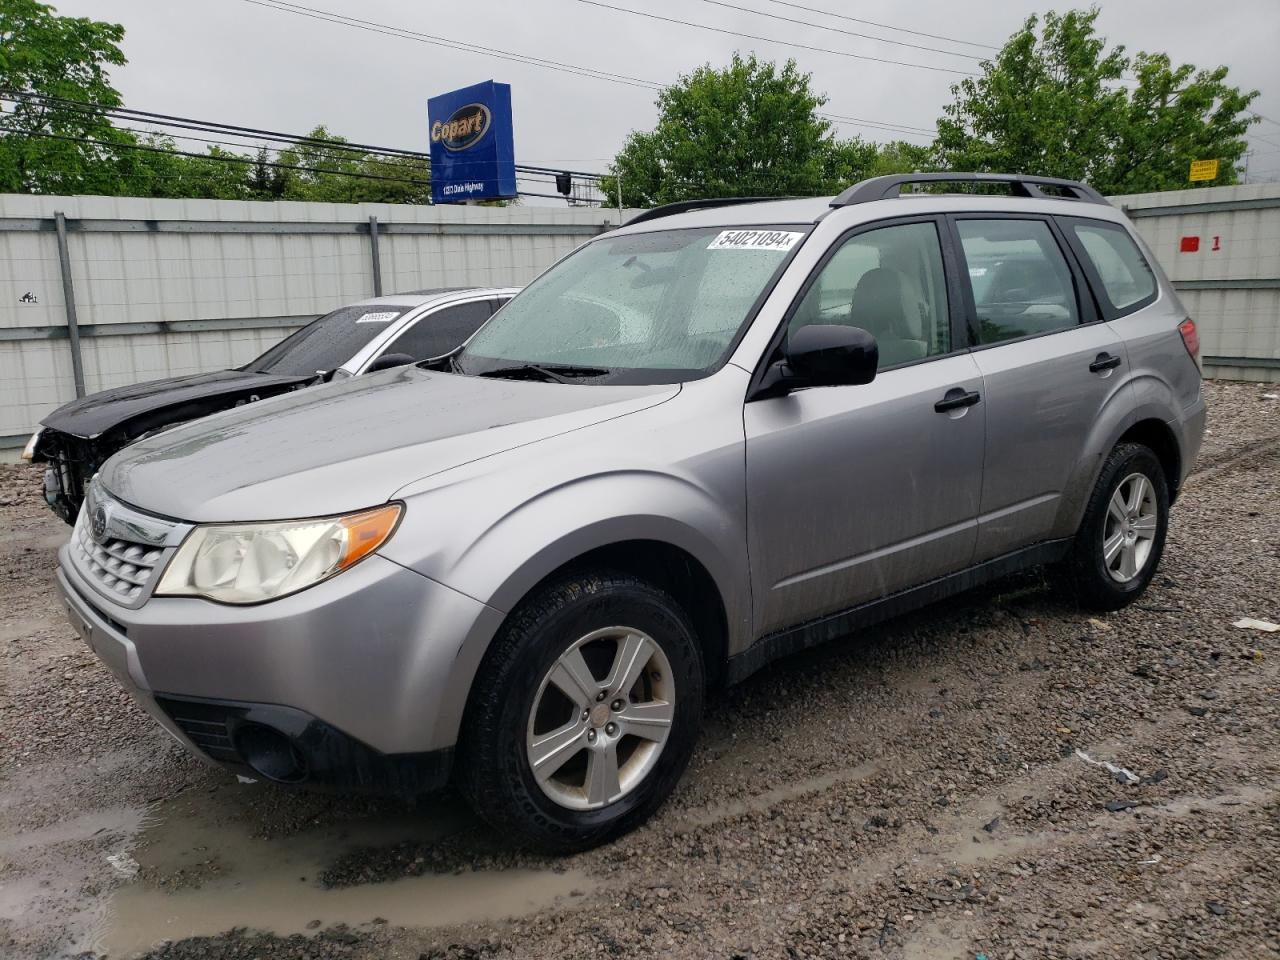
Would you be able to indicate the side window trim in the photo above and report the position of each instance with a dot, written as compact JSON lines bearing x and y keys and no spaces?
{"x":1086,"y":301}
{"x":395,"y":335}
{"x":1106,"y":308}
{"x":378,"y":345}
{"x":954,"y":311}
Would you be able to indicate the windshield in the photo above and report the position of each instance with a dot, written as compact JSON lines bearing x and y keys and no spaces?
{"x":656,"y":307}
{"x":326,"y":343}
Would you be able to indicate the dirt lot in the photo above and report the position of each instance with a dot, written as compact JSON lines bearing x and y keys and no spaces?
{"x":929,"y":790}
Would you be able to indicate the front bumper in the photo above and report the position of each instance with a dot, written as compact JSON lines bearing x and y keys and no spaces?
{"x":361,"y":674}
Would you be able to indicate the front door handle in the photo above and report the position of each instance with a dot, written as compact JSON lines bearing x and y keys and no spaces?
{"x":956,"y":398}
{"x":1104,"y":361}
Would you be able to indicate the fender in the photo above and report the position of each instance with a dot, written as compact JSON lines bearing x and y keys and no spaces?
{"x":523,"y":545}
{"x":1142,"y":396}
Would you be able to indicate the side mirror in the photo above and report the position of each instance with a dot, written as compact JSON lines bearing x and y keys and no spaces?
{"x":389,"y":360}
{"x":823,"y":355}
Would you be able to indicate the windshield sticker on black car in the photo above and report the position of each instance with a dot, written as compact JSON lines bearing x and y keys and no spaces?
{"x":378,"y":317}
{"x":755,"y":240}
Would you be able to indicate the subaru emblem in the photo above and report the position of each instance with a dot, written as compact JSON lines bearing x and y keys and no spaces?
{"x":99,"y":523}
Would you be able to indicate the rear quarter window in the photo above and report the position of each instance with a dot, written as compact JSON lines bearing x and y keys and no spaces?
{"x":1126,"y":278}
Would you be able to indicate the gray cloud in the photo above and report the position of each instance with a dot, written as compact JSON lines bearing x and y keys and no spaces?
{"x":234,"y":62}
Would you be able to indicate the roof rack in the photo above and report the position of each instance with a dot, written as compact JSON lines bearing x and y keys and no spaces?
{"x":685,"y":206}
{"x":888,"y":187}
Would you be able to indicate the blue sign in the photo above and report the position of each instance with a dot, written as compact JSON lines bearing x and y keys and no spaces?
{"x":473,"y":154}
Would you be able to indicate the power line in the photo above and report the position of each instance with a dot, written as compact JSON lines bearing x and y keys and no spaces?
{"x":231,"y":158}
{"x":884,"y":26}
{"x":451,"y":44}
{"x":751,"y":36}
{"x":223,"y":158}
{"x":212,"y":126}
{"x":902,"y":128}
{"x":404,"y":33}
{"x":1254,"y":136}
{"x":851,"y":33}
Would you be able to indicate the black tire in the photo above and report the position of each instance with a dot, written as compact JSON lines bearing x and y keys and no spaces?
{"x":1088,"y":576}
{"x":494,"y":769}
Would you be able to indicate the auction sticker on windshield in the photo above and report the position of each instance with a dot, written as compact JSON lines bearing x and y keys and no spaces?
{"x":755,"y":240}
{"x":384,"y":317}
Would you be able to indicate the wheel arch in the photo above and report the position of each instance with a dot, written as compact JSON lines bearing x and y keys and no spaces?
{"x":1140,"y":414}
{"x":675,"y":556}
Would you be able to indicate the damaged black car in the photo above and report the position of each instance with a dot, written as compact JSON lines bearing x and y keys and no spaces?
{"x":361,"y":338}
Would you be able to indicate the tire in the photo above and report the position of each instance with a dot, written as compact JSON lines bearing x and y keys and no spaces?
{"x":1100,"y":577}
{"x":532,"y":662}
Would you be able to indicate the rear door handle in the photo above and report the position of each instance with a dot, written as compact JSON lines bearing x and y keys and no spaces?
{"x":956,"y":398}
{"x":1104,"y":361}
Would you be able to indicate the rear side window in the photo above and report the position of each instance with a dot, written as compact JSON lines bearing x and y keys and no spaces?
{"x":443,"y":331}
{"x":1126,"y":278}
{"x":1021,"y":283}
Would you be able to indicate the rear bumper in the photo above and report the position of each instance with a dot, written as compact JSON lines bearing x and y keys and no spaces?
{"x":1190,"y":432}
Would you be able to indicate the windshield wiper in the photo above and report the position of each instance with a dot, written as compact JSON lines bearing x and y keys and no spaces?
{"x":556,"y":374}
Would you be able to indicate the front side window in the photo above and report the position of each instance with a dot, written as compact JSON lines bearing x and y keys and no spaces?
{"x":890,"y":282}
{"x":1021,"y":283}
{"x":654,"y":307}
{"x":444,"y":330}
{"x":327,"y":343}
{"x":1126,"y":278}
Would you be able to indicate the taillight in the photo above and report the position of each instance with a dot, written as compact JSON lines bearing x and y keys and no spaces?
{"x":1190,"y":339}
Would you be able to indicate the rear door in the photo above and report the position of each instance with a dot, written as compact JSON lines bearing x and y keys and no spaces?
{"x":856,"y":492}
{"x":1049,"y":363}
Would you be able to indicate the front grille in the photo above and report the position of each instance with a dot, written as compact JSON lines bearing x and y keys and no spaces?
{"x":121,"y":567}
{"x":120,"y":551}
{"x":205,"y":725}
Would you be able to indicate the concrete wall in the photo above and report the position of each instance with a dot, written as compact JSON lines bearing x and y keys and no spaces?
{"x":1230,"y":283}
{"x":170,"y":287}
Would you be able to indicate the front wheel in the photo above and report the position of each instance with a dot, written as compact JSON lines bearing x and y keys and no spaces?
{"x":584,"y":712}
{"x":1123,"y":532}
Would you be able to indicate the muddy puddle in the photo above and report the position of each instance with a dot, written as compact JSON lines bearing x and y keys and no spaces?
{"x":202,"y":870}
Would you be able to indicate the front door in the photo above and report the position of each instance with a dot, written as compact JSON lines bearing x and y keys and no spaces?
{"x":856,"y":492}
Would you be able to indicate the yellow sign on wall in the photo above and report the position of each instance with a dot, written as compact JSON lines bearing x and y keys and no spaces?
{"x":1204,"y":170}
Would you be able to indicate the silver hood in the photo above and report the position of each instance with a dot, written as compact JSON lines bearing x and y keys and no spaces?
{"x":349,"y":445}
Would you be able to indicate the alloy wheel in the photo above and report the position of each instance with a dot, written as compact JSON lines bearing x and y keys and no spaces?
{"x":1130,"y":529}
{"x":600,"y":718}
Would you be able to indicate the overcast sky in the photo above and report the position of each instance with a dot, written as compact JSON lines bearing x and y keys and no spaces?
{"x":236,"y":62}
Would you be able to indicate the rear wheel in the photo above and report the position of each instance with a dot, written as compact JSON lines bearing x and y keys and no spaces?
{"x":1123,"y":532}
{"x":584,"y":713}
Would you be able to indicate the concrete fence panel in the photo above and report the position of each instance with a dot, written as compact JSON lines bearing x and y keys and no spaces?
{"x":170,"y":287}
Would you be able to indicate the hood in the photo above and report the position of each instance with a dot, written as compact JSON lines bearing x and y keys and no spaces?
{"x":93,"y":415}
{"x":349,"y":445}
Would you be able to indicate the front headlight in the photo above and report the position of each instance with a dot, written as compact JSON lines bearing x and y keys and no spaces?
{"x":252,"y":562}
{"x":29,"y":451}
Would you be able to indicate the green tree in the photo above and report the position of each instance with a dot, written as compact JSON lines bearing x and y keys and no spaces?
{"x":335,"y":173}
{"x":266,"y":182}
{"x":1056,"y":103}
{"x":751,"y":129}
{"x":899,"y":156}
{"x":66,"y":57}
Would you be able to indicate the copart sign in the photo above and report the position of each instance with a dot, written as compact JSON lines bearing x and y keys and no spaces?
{"x":472,"y":149}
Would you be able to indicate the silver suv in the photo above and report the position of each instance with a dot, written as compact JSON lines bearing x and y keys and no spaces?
{"x":723,"y":433}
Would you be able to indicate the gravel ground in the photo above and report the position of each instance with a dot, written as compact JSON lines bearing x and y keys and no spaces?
{"x":929,"y":791}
